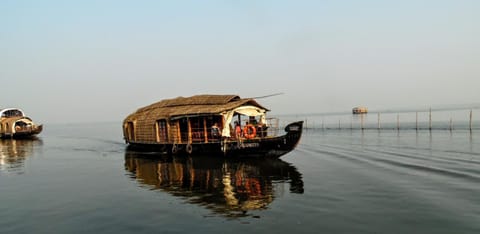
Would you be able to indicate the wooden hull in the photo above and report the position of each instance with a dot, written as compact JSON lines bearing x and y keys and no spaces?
{"x":27,"y":133}
{"x":270,"y":147}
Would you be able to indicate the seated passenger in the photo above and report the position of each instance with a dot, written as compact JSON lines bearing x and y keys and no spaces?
{"x":262,"y":129}
{"x":238,"y":130}
{"x":215,"y":131}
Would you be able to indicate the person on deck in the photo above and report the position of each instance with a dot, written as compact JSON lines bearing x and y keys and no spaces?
{"x":262,"y":129}
{"x":215,"y":131}
{"x":238,"y":130}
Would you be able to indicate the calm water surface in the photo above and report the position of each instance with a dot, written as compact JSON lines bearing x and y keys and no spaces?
{"x":80,"y":178}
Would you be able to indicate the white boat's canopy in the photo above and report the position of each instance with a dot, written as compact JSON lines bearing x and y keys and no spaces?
{"x":11,"y":112}
{"x":242,"y":110}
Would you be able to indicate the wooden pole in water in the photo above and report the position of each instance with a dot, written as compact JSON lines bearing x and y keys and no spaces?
{"x":451,"y":125}
{"x":471,"y":115}
{"x":362,"y":118}
{"x":398,"y":122}
{"x":430,"y":120}
{"x":416,"y":121}
{"x":378,"y":126}
{"x":339,"y":124}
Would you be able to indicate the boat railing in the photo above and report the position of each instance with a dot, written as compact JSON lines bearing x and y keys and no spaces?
{"x":207,"y":135}
{"x":272,"y":126}
{"x":198,"y":135}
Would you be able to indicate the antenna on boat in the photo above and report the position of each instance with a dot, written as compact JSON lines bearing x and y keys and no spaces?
{"x":270,"y":95}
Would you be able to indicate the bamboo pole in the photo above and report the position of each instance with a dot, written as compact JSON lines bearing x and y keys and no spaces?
{"x":416,"y":121}
{"x":398,"y":122}
{"x":179,"y":134}
{"x":167,"y":127}
{"x":451,"y":125}
{"x":157,"y":134}
{"x":471,"y":115}
{"x":189,"y":124}
{"x":362,"y":119}
{"x":430,"y":120}
{"x":205,"y":131}
{"x":378,"y":126}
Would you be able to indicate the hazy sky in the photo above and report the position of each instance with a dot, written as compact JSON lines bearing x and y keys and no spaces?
{"x":78,"y":61}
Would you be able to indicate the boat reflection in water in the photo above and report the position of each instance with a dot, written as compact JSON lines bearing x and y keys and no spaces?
{"x":230,"y":187}
{"x":13,"y":153}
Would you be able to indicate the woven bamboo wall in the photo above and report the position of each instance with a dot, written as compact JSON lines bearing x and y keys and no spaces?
{"x":145,"y":118}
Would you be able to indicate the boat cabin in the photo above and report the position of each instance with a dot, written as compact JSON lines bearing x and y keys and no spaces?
{"x":11,"y":112}
{"x":196,"y":119}
{"x":359,"y":110}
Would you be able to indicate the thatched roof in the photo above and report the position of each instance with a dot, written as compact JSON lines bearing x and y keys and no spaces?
{"x":194,"y":105}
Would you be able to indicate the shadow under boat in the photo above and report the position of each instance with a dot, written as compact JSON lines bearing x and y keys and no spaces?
{"x":229,"y":187}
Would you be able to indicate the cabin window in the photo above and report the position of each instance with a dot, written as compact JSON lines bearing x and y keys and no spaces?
{"x":198,"y":129}
{"x":12,"y":113}
{"x":162,"y":132}
{"x":202,"y":129}
{"x":183,"y":129}
{"x":214,"y":127}
{"x":131,"y":130}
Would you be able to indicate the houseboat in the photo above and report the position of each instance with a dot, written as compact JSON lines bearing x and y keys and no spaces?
{"x":359,"y":110}
{"x":14,"y":124}
{"x":209,"y":124}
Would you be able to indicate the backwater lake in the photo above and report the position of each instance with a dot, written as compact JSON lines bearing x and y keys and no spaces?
{"x":79,"y":178}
